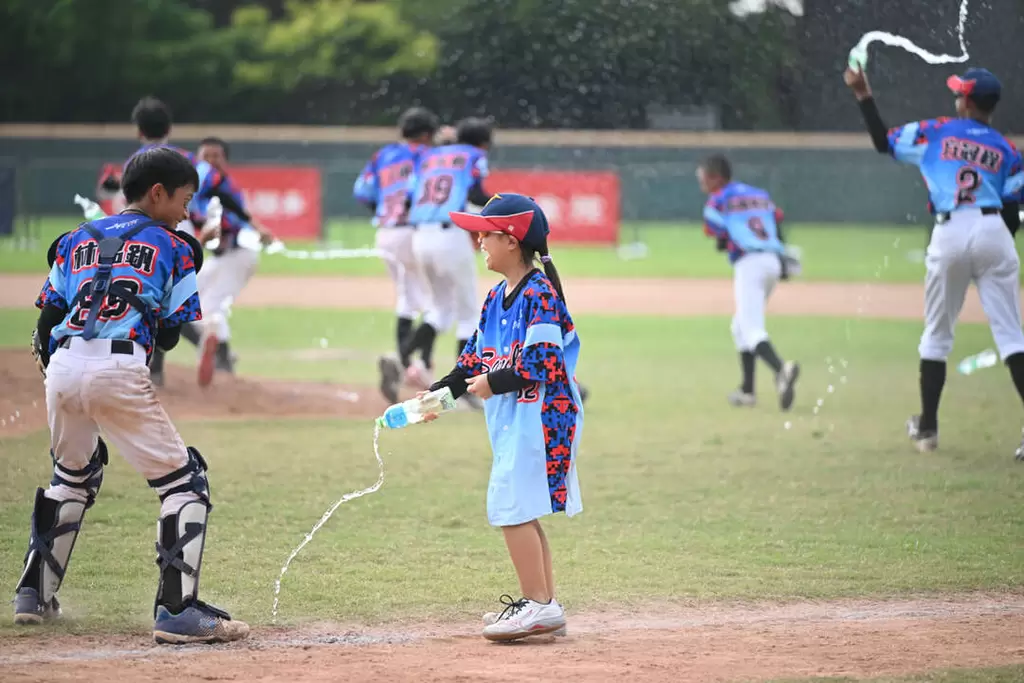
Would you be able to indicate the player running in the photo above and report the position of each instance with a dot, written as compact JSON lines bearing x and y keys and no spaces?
{"x":228,"y":268}
{"x":118,"y":288}
{"x":745,"y":222}
{"x":383,"y":186}
{"x":969,"y":168}
{"x":447,"y":178}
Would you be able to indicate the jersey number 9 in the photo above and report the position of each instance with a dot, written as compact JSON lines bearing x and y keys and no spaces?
{"x":756,"y":226}
{"x":436,"y":190}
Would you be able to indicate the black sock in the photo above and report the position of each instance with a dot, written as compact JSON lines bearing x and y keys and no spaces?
{"x":156,"y":361}
{"x":190,"y":332}
{"x":403,"y":330}
{"x":747,"y":364}
{"x":767,"y":352}
{"x":421,"y":340}
{"x":933,"y":378}
{"x":1016,"y":365}
{"x":462,"y":345}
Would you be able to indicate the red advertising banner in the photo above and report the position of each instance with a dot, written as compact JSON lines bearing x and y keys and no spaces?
{"x":582,"y":207}
{"x":286,"y":199}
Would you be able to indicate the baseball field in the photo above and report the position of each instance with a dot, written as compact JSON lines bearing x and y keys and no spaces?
{"x":716,"y":544}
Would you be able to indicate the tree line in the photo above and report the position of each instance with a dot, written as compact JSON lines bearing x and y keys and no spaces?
{"x":526,"y":63}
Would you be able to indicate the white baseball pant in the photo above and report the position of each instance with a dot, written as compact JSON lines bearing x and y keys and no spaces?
{"x":220,"y":281}
{"x":754,"y":278}
{"x":447,"y":264}
{"x":395,"y":243}
{"x":89,"y":389}
{"x":971,"y":247}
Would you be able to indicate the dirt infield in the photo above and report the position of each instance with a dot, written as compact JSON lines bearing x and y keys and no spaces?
{"x":676,"y":297}
{"x":714,"y":642}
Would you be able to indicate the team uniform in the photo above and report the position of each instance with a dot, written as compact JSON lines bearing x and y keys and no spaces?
{"x":746,"y":221}
{"x":97,"y":380}
{"x":384,"y":184}
{"x":968,"y":167}
{"x":444,"y":180}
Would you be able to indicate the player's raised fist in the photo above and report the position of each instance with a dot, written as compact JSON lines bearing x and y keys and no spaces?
{"x":857,"y":81}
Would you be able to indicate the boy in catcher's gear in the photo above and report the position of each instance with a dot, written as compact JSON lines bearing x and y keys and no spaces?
{"x":118,"y":288}
{"x":746,"y":223}
{"x":521,"y":361}
{"x":446,"y":179}
{"x":974,"y":175}
{"x":383,"y":186}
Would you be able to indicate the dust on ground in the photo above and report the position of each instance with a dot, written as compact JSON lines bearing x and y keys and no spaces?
{"x":656,"y":643}
{"x":659,"y":644}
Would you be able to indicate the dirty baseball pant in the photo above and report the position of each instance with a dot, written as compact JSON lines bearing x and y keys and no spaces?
{"x":447,"y":263}
{"x":754,"y":277}
{"x":89,"y":389}
{"x":971,"y":247}
{"x":395,"y":246}
{"x":221,"y":280}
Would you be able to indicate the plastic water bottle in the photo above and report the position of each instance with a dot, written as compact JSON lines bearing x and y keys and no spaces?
{"x":214,"y":215}
{"x":414,"y":410}
{"x":858,"y":59}
{"x":986,"y":359}
{"x":90,"y":209}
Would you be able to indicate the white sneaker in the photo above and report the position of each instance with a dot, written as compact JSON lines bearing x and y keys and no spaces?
{"x":524,"y":618}
{"x":742,"y":399}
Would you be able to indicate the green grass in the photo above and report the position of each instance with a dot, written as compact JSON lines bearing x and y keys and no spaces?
{"x":1006,"y":674}
{"x":845,"y":252}
{"x":684,"y":497}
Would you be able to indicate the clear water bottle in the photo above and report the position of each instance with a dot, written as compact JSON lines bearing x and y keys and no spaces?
{"x":415,"y":409}
{"x":90,"y":209}
{"x":214,"y":215}
{"x":986,"y":359}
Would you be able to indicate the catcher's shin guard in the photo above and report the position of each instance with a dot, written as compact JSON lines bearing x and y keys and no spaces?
{"x":181,"y":535}
{"x":55,"y":528}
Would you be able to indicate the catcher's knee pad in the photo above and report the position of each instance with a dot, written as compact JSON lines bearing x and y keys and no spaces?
{"x":181,"y":533}
{"x":56,"y":524}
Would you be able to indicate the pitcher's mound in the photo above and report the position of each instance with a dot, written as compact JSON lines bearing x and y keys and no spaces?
{"x":23,"y":400}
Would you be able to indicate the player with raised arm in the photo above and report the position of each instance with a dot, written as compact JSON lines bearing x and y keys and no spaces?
{"x":118,"y":288}
{"x":383,"y":186}
{"x":974,"y":175}
{"x":745,"y":222}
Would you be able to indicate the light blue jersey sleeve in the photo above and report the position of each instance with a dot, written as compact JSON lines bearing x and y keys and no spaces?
{"x":714,"y":222}
{"x":908,"y":143}
{"x":365,"y":188}
{"x":1013,"y":188}
{"x":180,"y":304}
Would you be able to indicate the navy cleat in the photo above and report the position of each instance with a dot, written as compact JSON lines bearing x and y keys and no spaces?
{"x":197,"y":623}
{"x":30,"y":610}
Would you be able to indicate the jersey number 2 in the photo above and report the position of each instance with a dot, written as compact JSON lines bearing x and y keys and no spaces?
{"x":756,"y":226}
{"x":967,"y":181}
{"x":114,"y":307}
{"x":436,"y":190}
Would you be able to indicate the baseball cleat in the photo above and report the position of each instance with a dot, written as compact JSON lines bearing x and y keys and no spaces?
{"x":390,"y":377}
{"x":785,"y":382}
{"x":492,"y":618}
{"x":208,"y":360}
{"x":197,"y":623}
{"x":924,"y":441}
{"x":742,"y":399}
{"x":30,"y":610}
{"x":1019,"y":454}
{"x":524,"y":618}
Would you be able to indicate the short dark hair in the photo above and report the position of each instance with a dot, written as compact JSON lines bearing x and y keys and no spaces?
{"x":473,"y":131}
{"x":417,"y":121}
{"x":153,"y":118}
{"x":214,"y":140}
{"x":984,"y":103}
{"x":718,"y":165}
{"x":157,"y":166}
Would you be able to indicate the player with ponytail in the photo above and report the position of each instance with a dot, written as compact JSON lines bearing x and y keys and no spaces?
{"x":522,"y":362}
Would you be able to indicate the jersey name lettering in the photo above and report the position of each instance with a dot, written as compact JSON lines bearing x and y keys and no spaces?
{"x":456,"y":161}
{"x":956,"y":149}
{"x":750,"y":204}
{"x":395,"y":173}
{"x":140,"y":256}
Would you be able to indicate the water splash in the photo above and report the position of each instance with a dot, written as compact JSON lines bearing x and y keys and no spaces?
{"x":859,"y":53}
{"x":327,"y":515}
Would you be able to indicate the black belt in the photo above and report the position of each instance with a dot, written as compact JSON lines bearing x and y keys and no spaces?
{"x":444,"y":226}
{"x":944,"y":216}
{"x":121,"y":346}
